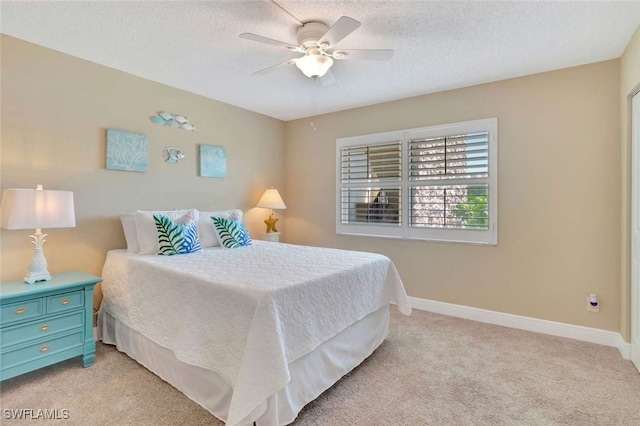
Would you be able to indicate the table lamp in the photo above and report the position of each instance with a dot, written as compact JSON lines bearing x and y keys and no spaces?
{"x":36,"y":209}
{"x":271,"y":199}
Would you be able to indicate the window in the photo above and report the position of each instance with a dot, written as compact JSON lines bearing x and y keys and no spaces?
{"x":434,"y":183}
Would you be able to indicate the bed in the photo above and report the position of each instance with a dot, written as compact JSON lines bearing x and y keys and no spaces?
{"x":251,"y":334}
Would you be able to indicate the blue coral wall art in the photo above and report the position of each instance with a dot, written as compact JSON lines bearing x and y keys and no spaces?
{"x":127,"y":151}
{"x":213,"y":161}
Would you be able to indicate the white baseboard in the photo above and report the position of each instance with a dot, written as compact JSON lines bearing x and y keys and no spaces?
{"x":577,"y":332}
{"x":624,"y":347}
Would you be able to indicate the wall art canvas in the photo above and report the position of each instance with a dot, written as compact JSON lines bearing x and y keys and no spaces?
{"x":127,"y":151}
{"x":213,"y":161}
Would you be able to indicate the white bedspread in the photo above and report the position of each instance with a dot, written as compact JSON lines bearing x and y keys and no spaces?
{"x":246,"y":313}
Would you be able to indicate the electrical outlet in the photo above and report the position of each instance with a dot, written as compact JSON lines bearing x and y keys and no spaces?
{"x":593,"y":303}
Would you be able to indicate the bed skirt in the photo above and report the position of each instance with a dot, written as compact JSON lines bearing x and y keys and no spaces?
{"x":311,"y":374}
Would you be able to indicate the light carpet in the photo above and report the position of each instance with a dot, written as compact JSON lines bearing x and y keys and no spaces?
{"x":431,"y":370}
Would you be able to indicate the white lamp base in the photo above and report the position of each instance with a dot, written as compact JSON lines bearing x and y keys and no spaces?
{"x":38,"y":266}
{"x":32,"y":277}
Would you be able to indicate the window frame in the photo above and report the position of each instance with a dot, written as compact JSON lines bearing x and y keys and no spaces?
{"x":404,"y":230}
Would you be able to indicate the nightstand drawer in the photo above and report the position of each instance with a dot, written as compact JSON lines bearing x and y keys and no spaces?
{"x":20,"y":311}
{"x":41,"y":328}
{"x":65,"y":302}
{"x":44,"y":348}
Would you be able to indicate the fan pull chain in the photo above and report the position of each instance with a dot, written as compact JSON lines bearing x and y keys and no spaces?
{"x":313,"y":99}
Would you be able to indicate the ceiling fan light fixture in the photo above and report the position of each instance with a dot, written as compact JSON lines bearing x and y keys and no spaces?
{"x":314,"y":65}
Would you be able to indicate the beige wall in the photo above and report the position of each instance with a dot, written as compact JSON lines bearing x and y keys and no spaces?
{"x":559,"y":206}
{"x":558,"y":153}
{"x":629,"y":84}
{"x":55,"y":111}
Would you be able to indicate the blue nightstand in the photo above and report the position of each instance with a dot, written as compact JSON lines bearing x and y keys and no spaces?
{"x":46,"y":322}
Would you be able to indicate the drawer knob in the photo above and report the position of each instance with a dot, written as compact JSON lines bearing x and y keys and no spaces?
{"x":21,"y":310}
{"x":44,"y":348}
{"x":44,"y":327}
{"x":65,"y":301}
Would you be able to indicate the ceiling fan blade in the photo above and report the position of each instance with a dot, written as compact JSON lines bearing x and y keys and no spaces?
{"x":275,"y":67}
{"x":299,"y":22}
{"x":342,"y":28}
{"x":328,"y":79}
{"x":364,"y":54}
{"x":265,"y":40}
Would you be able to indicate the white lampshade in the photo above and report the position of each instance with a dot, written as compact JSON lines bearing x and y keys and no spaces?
{"x":37,"y":208}
{"x":314,"y":65}
{"x":271,"y":199}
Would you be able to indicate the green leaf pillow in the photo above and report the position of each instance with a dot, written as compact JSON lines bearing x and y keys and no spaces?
{"x":178,"y":236}
{"x":231,"y":233}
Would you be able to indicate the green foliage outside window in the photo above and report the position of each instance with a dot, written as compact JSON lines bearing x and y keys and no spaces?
{"x":475,"y":212}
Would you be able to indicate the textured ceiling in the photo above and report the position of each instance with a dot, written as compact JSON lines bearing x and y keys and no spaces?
{"x":195,"y":46}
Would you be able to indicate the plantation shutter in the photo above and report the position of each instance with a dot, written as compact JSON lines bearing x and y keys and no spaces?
{"x":436,"y":183}
{"x":451,"y":157}
{"x":449,"y":164}
{"x":370,"y":175}
{"x":381,"y":162}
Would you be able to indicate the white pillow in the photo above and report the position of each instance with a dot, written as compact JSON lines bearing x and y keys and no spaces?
{"x":130,"y":231}
{"x":208,"y":236}
{"x":146,"y":227}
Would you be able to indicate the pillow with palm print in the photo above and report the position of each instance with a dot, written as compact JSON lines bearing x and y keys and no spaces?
{"x":179,"y":236}
{"x":231,"y":233}
{"x":208,"y":236}
{"x":146,"y":229}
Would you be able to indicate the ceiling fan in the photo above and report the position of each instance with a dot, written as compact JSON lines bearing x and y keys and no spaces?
{"x":317,"y":41}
